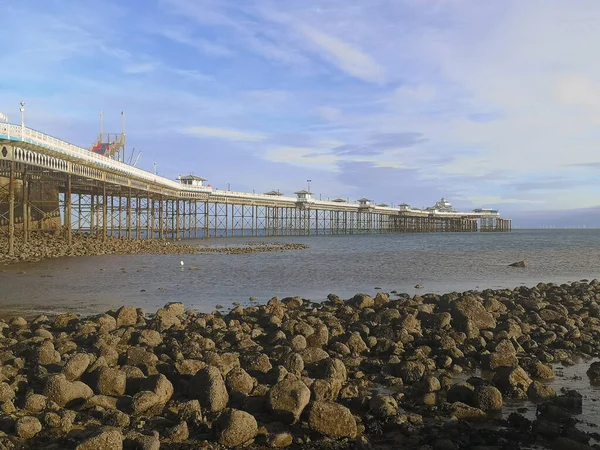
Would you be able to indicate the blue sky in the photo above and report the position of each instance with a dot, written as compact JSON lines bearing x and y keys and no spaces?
{"x":491,"y":104}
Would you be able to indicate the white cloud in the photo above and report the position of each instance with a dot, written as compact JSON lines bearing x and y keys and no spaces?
{"x":303,"y":157}
{"x":329,"y":113}
{"x":225,"y":133}
{"x":348,"y":58}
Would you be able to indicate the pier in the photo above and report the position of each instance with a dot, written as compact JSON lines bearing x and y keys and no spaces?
{"x":49,"y":183}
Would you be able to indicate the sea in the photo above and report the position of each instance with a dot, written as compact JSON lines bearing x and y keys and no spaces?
{"x":343,"y":265}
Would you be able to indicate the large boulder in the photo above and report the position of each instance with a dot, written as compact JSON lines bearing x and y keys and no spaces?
{"x":593,"y":372}
{"x":382,"y":406}
{"x":470,"y":309}
{"x":110,"y":381}
{"x":488,"y":398}
{"x":503,"y":355}
{"x":160,"y":385}
{"x":287,"y":399}
{"x":126,"y":316}
{"x":332,"y":420}
{"x":109,"y":439}
{"x":509,"y":379}
{"x":209,"y":387}
{"x":27,"y":427}
{"x":466,"y":412}
{"x":238,"y":380}
{"x":76,"y":366}
{"x":235,"y":428}
{"x":361,"y":301}
{"x":62,"y":391}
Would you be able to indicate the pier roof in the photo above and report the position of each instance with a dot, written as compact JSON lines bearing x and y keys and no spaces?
{"x":191,"y":177}
{"x":273,"y":192}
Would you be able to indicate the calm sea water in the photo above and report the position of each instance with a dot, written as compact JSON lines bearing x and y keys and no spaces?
{"x":343,"y":265}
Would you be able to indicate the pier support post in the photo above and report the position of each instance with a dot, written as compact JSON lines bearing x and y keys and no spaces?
{"x":92,"y":214}
{"x":26,"y":211}
{"x":68,"y":206}
{"x":161,"y":223}
{"x":11,"y":210}
{"x":129,"y":214}
{"x":120,"y":219}
{"x":147,"y":215}
{"x":177,"y":219}
{"x":104,"y":213}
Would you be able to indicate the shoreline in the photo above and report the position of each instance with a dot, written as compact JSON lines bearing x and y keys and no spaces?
{"x":44,"y":245}
{"x":423,"y":371}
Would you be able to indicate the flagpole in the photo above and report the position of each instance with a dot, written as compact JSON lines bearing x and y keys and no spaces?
{"x":123,"y":132}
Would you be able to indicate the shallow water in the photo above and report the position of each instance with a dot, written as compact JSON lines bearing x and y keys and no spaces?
{"x":343,"y":265}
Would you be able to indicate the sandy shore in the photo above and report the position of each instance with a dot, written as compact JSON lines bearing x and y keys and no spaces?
{"x":50,"y":244}
{"x":427,"y":372}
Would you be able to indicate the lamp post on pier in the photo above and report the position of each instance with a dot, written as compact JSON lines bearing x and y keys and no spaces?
{"x":22,"y":120}
{"x":308,"y":181}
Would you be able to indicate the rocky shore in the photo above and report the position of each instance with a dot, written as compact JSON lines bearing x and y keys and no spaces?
{"x":52,"y":244}
{"x":359,"y":373}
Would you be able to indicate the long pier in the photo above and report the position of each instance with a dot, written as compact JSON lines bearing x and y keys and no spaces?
{"x":52,"y":181}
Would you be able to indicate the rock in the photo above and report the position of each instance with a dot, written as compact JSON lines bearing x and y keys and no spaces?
{"x":27,"y":427}
{"x":126,"y":316}
{"x":143,"y":401}
{"x":383,"y":406}
{"x":46,"y":355}
{"x":503,"y":355}
{"x":332,"y":420}
{"x":517,"y":264}
{"x":235,"y":427}
{"x":209,"y":387}
{"x":35,"y":403}
{"x":411,"y":371}
{"x":110,"y":382}
{"x":103,"y":401}
{"x":287,"y":399}
{"x":462,"y":392}
{"x":509,"y":378}
{"x":298,"y":343}
{"x":108,"y":439}
{"x":312,"y":355}
{"x":189,"y":366}
{"x":488,"y":398}
{"x":160,"y":385}
{"x":541,"y":371}
{"x":151,"y":338}
{"x":539,"y":391}
{"x":7,"y":393}
{"x":470,"y":309}
{"x":238,"y":380}
{"x":144,"y":441}
{"x":593,"y":372}
{"x":179,"y":433}
{"x":138,"y":356}
{"x":465,"y":412}
{"x":361,"y":301}
{"x":61,"y":391}
{"x":327,"y":389}
{"x":176,"y":308}
{"x":76,"y":366}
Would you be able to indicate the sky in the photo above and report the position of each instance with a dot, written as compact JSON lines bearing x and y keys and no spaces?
{"x":490,"y":104}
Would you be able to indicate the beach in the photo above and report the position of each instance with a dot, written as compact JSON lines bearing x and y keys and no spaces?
{"x":472,"y":370}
